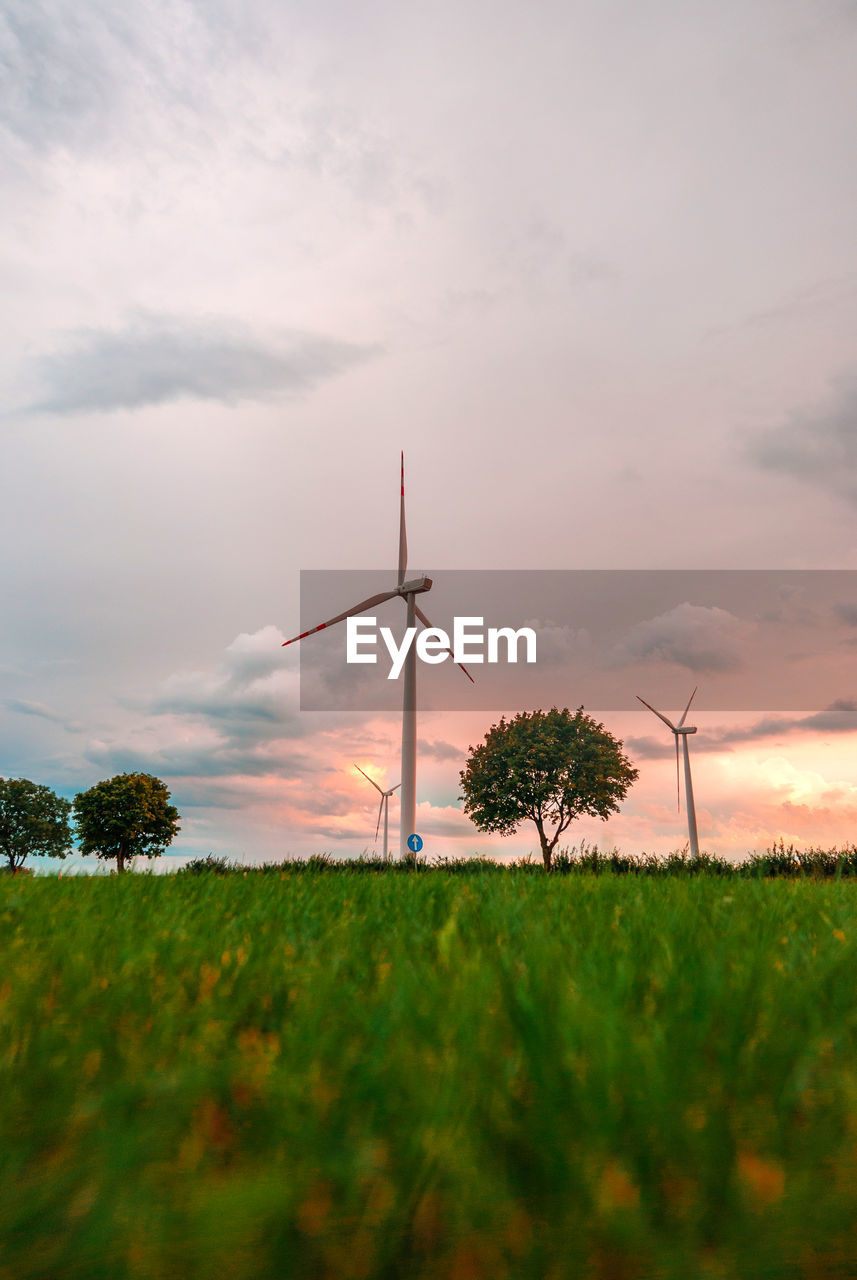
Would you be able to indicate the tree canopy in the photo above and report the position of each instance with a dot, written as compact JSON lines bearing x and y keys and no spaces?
{"x":547,"y":767}
{"x":33,"y":819}
{"x":125,"y":817}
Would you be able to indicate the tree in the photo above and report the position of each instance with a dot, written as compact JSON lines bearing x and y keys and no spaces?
{"x":546,"y":766}
{"x":33,"y":819}
{"x":125,"y":817}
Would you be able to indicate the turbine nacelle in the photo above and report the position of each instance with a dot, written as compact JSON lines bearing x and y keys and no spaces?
{"x":413,"y":587}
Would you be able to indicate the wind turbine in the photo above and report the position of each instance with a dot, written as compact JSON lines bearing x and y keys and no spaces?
{"x":681,"y":730}
{"x":385,"y":804}
{"x":408,"y":591}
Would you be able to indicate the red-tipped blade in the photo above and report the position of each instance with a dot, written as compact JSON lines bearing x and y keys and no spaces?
{"x":687,"y":708}
{"x":424,"y":620}
{"x":378,"y":823}
{"x":677,"y":786}
{"x":657,"y":713}
{"x":368,"y":779}
{"x":349,"y":613}
{"x":403,"y":537}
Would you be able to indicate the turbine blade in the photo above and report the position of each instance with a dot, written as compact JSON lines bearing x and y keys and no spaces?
{"x":687,"y":708}
{"x":424,"y":620}
{"x":368,"y":779}
{"x":657,"y":713}
{"x":403,"y":536}
{"x":395,"y":788}
{"x":349,"y":613}
{"x":378,"y":823}
{"x":677,"y":785}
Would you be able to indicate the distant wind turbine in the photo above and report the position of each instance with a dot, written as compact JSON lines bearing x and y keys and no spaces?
{"x":408,"y":592}
{"x":384,"y":805}
{"x":681,"y":730}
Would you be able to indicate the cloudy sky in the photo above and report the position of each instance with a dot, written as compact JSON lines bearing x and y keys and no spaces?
{"x":592,"y":266}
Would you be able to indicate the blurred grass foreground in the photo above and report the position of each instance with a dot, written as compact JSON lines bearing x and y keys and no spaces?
{"x":463,"y":1078}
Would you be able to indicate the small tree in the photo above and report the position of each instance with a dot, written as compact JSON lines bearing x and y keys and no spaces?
{"x":546,"y":766}
{"x":33,"y":819}
{"x":124,"y":817}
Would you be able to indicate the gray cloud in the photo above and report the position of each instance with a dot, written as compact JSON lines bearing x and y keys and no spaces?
{"x":437,"y":824}
{"x":206,"y":760}
{"x":239,"y":719}
{"x":839,"y":717}
{"x":557,"y":642}
{"x":38,"y":709}
{"x":157,"y":359}
{"x":41,"y":711}
{"x":255,"y":656}
{"x":650,"y":748}
{"x":251,"y":697}
{"x":249,"y":713}
{"x":440,"y":750}
{"x":62,"y":69}
{"x":792,"y":611}
{"x":817,"y":297}
{"x":329,"y":803}
{"x":846,"y":611}
{"x":73,"y":76}
{"x":818,"y":445}
{"x":698,"y":637}
{"x":172,"y":78}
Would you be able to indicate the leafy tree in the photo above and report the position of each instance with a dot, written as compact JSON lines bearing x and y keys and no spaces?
{"x":546,"y":766}
{"x":125,"y":817}
{"x":33,"y":819}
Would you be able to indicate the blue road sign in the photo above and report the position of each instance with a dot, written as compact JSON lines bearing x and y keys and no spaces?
{"x":415,"y":843}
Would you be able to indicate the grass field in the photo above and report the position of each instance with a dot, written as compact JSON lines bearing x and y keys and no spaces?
{"x":464,"y":1078}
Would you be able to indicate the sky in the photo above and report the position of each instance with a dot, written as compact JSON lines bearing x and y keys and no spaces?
{"x":592,"y":267}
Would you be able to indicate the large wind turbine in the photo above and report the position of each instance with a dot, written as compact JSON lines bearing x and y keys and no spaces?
{"x":408,"y":592}
{"x":681,"y":730}
{"x":385,"y":804}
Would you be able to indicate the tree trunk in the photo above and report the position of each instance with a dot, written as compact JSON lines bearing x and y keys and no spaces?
{"x":120,"y":861}
{"x":547,"y":846}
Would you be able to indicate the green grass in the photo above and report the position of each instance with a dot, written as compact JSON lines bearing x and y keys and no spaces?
{"x":494,"y":1076}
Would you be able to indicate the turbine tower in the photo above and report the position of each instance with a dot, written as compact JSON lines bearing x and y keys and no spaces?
{"x":408,"y":591}
{"x":681,"y":730}
{"x":385,"y":804}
